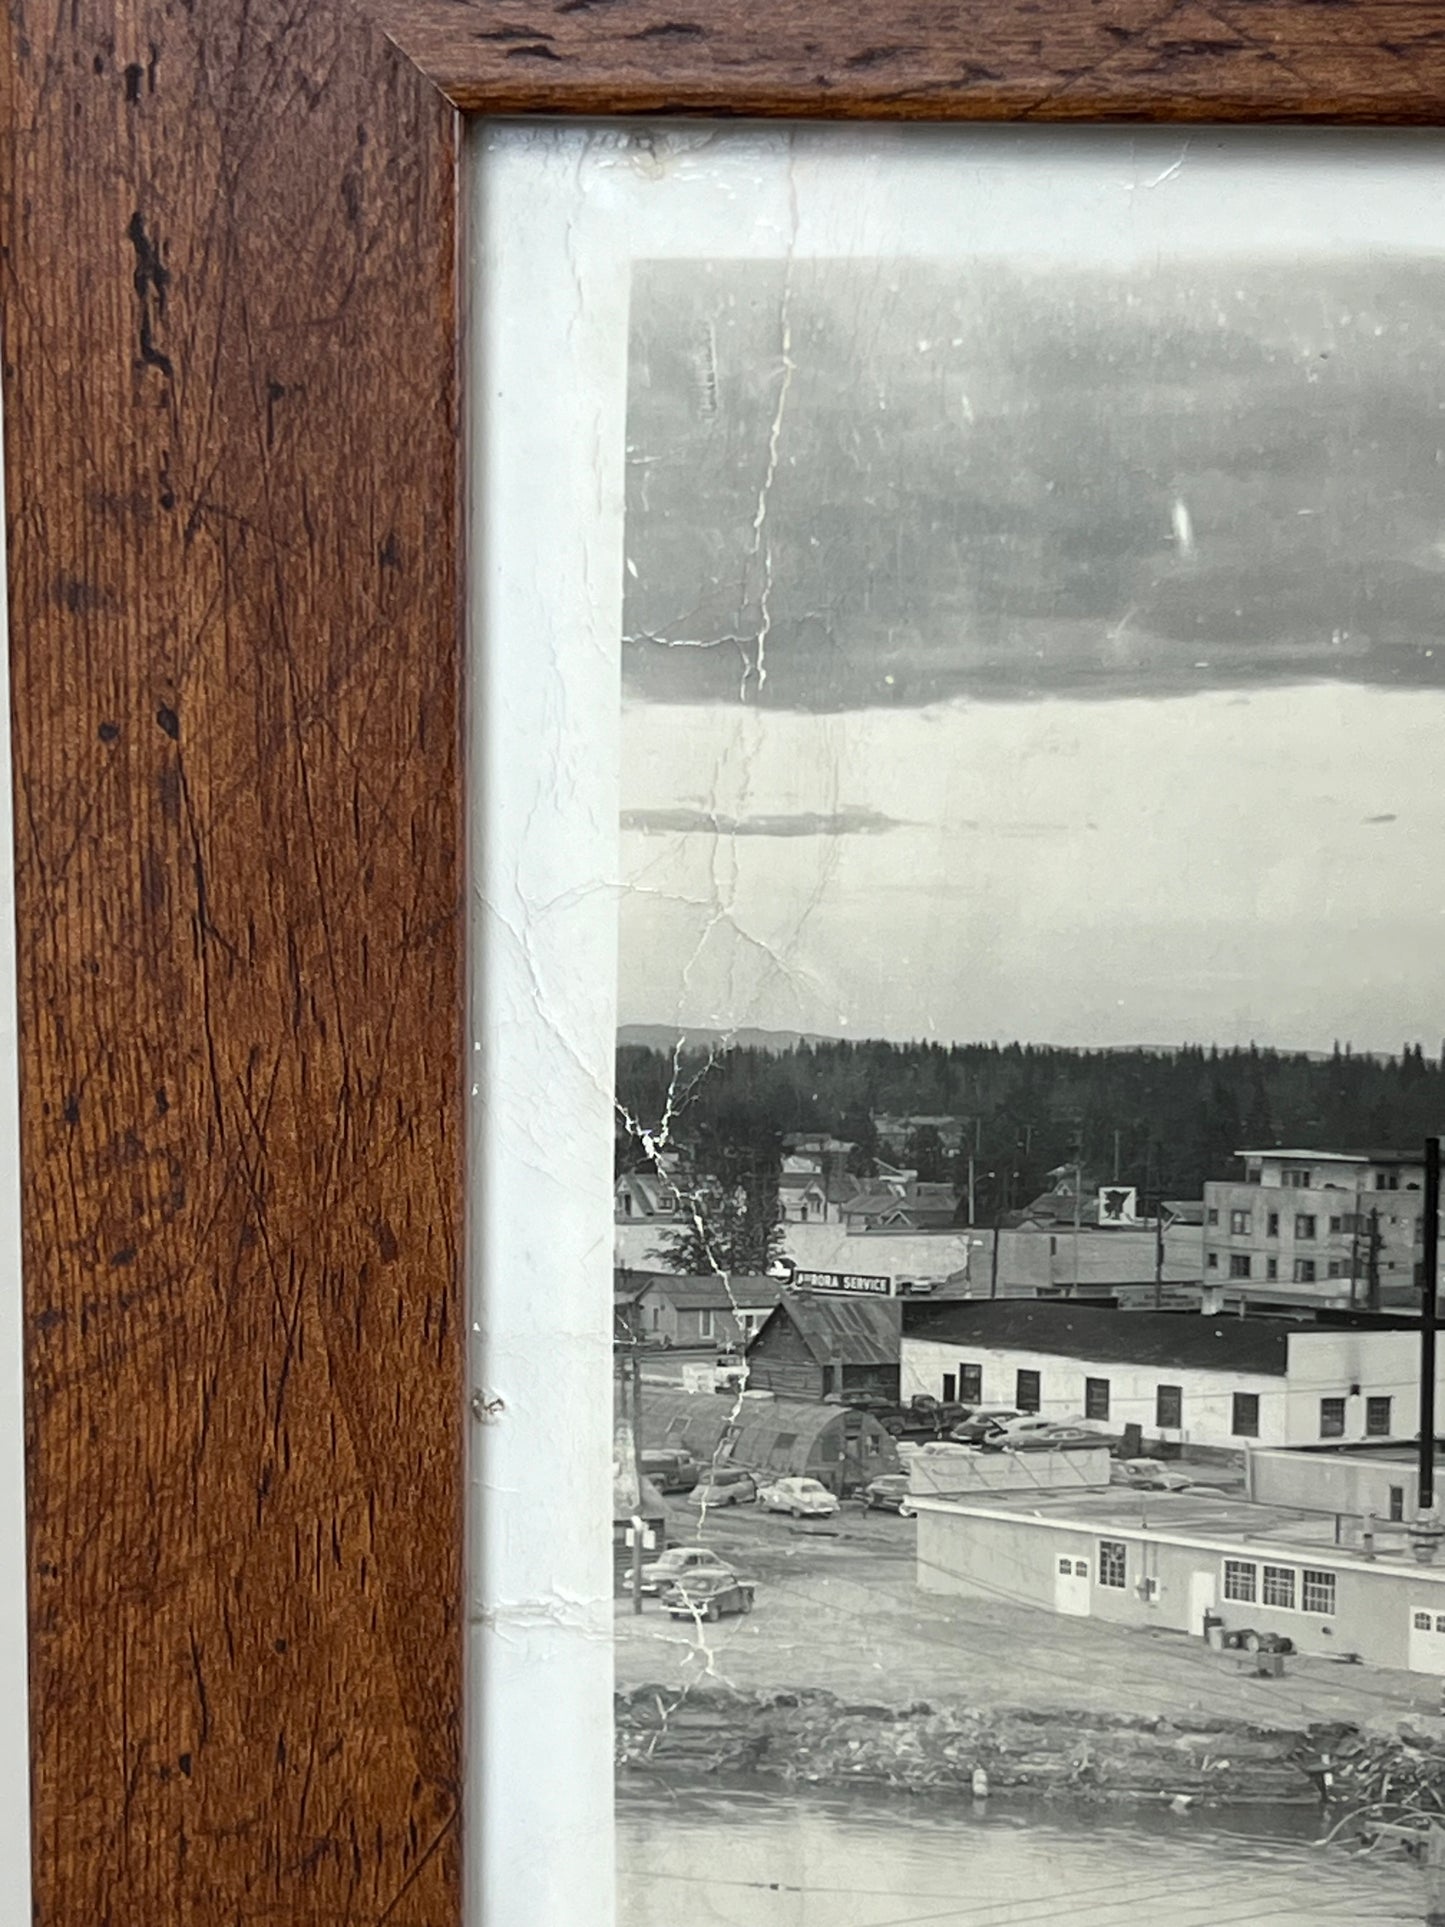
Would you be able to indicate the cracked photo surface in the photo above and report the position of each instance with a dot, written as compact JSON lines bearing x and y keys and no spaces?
{"x":997,"y":797}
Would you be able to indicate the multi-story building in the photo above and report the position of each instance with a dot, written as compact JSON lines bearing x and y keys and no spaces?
{"x":1343,"y":1225}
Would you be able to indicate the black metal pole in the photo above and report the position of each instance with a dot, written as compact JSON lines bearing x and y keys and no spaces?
{"x":1430,"y":1281}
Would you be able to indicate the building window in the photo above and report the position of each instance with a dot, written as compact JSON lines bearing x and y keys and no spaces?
{"x":1278,"y":1587}
{"x":1096,"y":1398}
{"x":1027,"y":1396}
{"x":950,"y":1388}
{"x":1317,"y":1592}
{"x":1304,"y":1225}
{"x":1421,"y":1622}
{"x":784,"y":1441}
{"x":1397,"y":1503}
{"x":1239,"y":1264}
{"x":1212,"y":1216}
{"x":1271,"y":1225}
{"x":1271,"y":1267}
{"x":1377,"y":1418}
{"x":1239,"y":1224}
{"x":1113,"y":1563}
{"x":1335,"y":1268}
{"x":1212,"y":1261}
{"x":1336,"y":1225}
{"x":1066,"y":1568}
{"x":1295,"y":1180}
{"x":970,"y":1384}
{"x":1246,"y":1415}
{"x":1239,"y":1577}
{"x":1169,"y":1407}
{"x":1304,"y":1271}
{"x":1332,"y":1418}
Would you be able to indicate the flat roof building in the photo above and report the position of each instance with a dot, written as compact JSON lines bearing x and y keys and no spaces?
{"x":1190,"y":1562}
{"x":1186,"y":1380}
{"x":1343,"y":1225}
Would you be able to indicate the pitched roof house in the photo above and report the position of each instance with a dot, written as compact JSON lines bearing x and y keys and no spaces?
{"x":815,"y":1344}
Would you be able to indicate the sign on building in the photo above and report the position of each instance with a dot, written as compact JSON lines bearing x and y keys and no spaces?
{"x":858,"y":1282}
{"x":698,"y":1378}
{"x":1119,"y":1204}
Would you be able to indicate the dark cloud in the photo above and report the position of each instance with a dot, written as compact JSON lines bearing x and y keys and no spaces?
{"x":803,"y":823}
{"x":994,"y":484}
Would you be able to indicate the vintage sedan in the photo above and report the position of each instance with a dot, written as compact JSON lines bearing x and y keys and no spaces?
{"x":888,"y":1494}
{"x":1043,"y":1438}
{"x":709,"y":1595}
{"x":804,"y":1498}
{"x":724,"y":1485}
{"x":678,"y":1562}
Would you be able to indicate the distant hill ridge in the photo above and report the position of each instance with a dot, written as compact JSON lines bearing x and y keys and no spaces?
{"x":664,"y":1037}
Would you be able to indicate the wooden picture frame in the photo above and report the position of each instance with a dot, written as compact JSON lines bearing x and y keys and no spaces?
{"x":234,"y":466}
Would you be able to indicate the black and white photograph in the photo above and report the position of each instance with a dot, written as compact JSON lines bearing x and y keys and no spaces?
{"x":1030,"y":1058}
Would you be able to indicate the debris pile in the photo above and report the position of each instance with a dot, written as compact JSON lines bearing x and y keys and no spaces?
{"x":811,"y":1737}
{"x":1384,"y":1789}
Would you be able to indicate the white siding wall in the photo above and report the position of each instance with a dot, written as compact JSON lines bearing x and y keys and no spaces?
{"x":1208,"y":1397}
{"x":1326,"y":1364}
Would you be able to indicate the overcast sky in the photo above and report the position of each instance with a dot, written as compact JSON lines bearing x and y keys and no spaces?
{"x":1056,"y":655}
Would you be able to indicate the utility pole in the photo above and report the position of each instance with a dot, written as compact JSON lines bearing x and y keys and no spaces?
{"x":971,"y":1158}
{"x":1430,"y":1281}
{"x":993,"y":1257}
{"x":1078,"y":1217}
{"x":639,"y":1524}
{"x":1372,"y":1263}
{"x":1116,"y":1157}
{"x":1158,"y":1254}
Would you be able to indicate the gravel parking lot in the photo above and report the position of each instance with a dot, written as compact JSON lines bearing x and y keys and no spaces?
{"x":837,"y":1608}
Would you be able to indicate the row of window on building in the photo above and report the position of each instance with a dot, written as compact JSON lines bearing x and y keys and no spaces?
{"x":1306,"y":1270}
{"x":1168,"y":1404}
{"x":1306,"y":1224}
{"x":1294,"y":1589}
{"x":1300,"y":1178}
{"x":1306,"y":1589}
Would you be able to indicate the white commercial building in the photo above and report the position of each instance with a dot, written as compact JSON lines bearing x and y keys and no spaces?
{"x":1183,"y":1378}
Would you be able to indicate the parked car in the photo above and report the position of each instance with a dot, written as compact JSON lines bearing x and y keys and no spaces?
{"x":1042,"y":1438}
{"x":709,"y":1595}
{"x":921,"y":1417}
{"x":888,"y":1494}
{"x":1148,"y":1475}
{"x":680,"y":1562}
{"x":724,"y":1485}
{"x":981,"y":1423}
{"x":804,"y":1498}
{"x":671,"y":1471}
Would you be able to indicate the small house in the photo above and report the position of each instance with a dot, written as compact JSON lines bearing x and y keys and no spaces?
{"x":815,"y":1344}
{"x":686,"y":1310}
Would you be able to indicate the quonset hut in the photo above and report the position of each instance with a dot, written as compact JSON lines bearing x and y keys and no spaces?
{"x":778,"y":1437}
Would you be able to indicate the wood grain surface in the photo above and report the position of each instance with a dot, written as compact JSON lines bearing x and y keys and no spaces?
{"x":231,"y":418}
{"x":1071,"y":60}
{"x":232,"y":313}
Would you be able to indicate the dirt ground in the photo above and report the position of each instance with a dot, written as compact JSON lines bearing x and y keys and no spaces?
{"x":837,"y":1608}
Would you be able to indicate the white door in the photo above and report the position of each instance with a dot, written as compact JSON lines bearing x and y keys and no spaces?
{"x":1071,"y":1585}
{"x":1201,"y":1600}
{"x":1427,"y":1640}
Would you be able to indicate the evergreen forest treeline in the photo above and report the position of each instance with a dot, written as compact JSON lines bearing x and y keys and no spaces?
{"x":1164,"y":1120}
